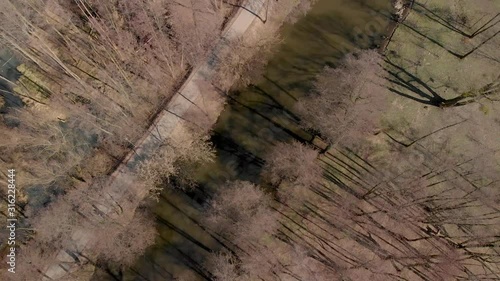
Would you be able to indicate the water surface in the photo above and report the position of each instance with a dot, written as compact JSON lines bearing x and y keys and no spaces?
{"x":253,"y":120}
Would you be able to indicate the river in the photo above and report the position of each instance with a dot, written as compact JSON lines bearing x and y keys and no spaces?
{"x":253,"y":120}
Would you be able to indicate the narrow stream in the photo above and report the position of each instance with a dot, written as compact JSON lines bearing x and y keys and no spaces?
{"x":253,"y":120}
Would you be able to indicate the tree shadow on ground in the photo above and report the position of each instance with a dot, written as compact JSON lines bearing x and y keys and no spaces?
{"x":433,"y":16}
{"x":254,"y":119}
{"x":442,"y":18}
{"x":423,"y":93}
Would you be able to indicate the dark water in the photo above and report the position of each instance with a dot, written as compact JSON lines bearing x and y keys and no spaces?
{"x":254,"y":119}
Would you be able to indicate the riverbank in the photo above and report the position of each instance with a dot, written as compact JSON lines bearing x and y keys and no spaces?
{"x":255,"y":118}
{"x":406,"y":203}
{"x":166,"y":124}
{"x":197,"y":103}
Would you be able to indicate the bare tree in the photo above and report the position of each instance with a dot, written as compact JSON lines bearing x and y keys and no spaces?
{"x":300,"y":10}
{"x":224,"y":266}
{"x":197,"y":24}
{"x":56,"y":223}
{"x":35,"y":260}
{"x":244,"y":59}
{"x":240,"y":212}
{"x":178,"y":157}
{"x":347,"y":101}
{"x":157,"y":171}
{"x":93,"y":74}
{"x":97,"y":71}
{"x":294,"y":163}
{"x":122,"y":244}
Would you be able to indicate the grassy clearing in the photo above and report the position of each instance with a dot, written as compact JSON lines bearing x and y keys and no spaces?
{"x":443,"y":49}
{"x":421,"y":62}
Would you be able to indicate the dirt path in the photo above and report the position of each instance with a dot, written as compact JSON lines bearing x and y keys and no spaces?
{"x":124,"y":180}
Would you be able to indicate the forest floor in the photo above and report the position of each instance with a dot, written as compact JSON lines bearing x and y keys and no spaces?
{"x":444,"y":49}
{"x":441,"y":49}
{"x":191,"y":101}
